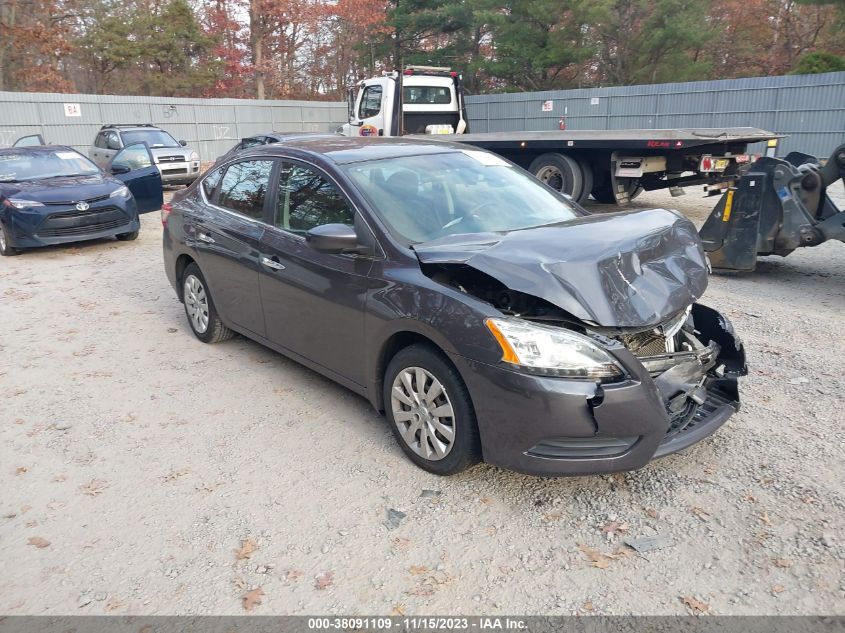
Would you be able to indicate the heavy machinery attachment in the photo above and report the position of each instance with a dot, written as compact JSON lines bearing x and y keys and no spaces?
{"x":777,"y":206}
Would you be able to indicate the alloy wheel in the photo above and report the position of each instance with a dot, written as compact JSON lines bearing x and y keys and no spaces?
{"x":196,"y":303}
{"x":2,"y":239}
{"x":423,"y":413}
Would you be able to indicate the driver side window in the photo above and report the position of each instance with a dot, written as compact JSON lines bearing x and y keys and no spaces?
{"x":370,"y":102}
{"x":307,"y":199}
{"x":133,"y":157}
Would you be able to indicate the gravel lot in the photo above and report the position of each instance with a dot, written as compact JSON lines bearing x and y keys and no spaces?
{"x":135,"y":461}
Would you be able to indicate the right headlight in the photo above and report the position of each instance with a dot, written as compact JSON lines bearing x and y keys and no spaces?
{"x":552,"y":351}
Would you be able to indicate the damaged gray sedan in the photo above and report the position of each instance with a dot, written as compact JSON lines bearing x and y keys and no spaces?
{"x":487,"y":316}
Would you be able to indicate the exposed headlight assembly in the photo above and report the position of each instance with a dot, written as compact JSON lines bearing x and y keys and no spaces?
{"x":21,"y":203}
{"x":552,"y":351}
{"x":121,"y":192}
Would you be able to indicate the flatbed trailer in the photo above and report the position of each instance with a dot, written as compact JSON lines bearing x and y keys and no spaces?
{"x":615,"y":165}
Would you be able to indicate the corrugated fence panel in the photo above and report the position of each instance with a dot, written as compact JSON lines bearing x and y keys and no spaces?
{"x":810,"y":108}
{"x":211,"y":126}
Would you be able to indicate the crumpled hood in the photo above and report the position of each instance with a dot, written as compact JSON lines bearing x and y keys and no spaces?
{"x":630,"y":269}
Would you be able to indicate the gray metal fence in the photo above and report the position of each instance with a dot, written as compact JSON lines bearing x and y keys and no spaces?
{"x":809,"y":108}
{"x":211,"y":126}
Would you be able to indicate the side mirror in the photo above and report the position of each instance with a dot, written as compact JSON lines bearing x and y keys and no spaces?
{"x":333,"y":238}
{"x":120,"y":169}
{"x":183,"y":143}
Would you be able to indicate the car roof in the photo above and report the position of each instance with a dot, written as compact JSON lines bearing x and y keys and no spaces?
{"x":129,"y":128}
{"x":347,"y":149}
{"x":35,"y":149}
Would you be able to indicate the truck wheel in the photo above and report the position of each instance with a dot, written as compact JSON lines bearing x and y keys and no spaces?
{"x":603,"y":192}
{"x":587,"y":174}
{"x":560,"y":172}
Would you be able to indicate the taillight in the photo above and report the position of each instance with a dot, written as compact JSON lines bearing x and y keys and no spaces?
{"x":166,"y":210}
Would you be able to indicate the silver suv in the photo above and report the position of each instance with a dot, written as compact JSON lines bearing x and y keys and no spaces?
{"x":178,"y":164}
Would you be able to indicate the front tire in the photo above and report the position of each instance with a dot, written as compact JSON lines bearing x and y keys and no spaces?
{"x":6,"y":249}
{"x":430,"y":412}
{"x":199,"y":308}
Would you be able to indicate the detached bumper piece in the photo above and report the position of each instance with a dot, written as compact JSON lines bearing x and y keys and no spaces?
{"x":717,"y":408}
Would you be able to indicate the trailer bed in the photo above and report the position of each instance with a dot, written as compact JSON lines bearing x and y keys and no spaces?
{"x":679,"y":138}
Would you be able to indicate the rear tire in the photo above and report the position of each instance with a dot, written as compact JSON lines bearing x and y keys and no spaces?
{"x":127,"y":237}
{"x":6,"y":249}
{"x":560,"y":172}
{"x":430,"y":412}
{"x":199,"y":308}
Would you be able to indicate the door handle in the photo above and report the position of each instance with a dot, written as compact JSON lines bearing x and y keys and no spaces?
{"x":272,"y":263}
{"x":202,"y":237}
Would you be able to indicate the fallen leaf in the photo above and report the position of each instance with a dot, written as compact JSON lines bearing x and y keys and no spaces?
{"x":696,"y":606}
{"x":324,"y":580}
{"x":20,"y":470}
{"x":240,"y":583}
{"x":416,"y":570}
{"x":765,"y":518}
{"x":554,"y":516}
{"x":614,"y":528}
{"x":39,"y":542}
{"x":749,"y":498}
{"x":587,"y":606}
{"x":252,"y":598}
{"x":486,"y":501}
{"x":113,"y":604}
{"x":57,"y":479}
{"x":248,"y":546}
{"x":701,"y":513}
{"x":596,"y":558}
{"x":778,"y":589}
{"x":709,"y":470}
{"x":783,"y":563}
{"x":618,"y":478}
{"x":293,"y":574}
{"x":398,"y":609}
{"x":401,"y":543}
{"x":808,"y":500}
{"x":25,"y":509}
{"x":652,"y":513}
{"x":31,"y":524}
{"x":94,"y":487}
{"x":766,"y":480}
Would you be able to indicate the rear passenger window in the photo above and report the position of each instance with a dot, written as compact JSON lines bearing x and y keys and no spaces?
{"x":209,"y":184}
{"x":307,"y":199}
{"x":244,"y":187}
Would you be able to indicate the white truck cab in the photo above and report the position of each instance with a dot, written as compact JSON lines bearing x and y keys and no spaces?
{"x":431,"y":103}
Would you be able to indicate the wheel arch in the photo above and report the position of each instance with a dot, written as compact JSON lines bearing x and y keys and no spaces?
{"x":394,"y":344}
{"x":182,"y":262}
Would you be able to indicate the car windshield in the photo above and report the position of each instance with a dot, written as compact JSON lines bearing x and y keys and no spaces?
{"x":423,"y":198}
{"x":22,"y":166}
{"x":153,"y":138}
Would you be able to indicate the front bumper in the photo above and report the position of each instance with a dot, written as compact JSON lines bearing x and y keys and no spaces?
{"x":554,"y":426}
{"x":63,"y":224}
{"x":179,"y":173}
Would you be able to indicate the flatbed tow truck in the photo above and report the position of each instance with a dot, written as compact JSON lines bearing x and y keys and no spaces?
{"x":613,"y":166}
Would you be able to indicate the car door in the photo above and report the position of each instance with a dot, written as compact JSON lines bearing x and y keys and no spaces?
{"x":313,"y":302}
{"x":29,"y":141}
{"x":111,"y":146}
{"x":135,"y":167}
{"x":226,"y":236}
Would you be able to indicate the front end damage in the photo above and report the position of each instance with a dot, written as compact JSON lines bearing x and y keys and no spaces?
{"x":678,"y":382}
